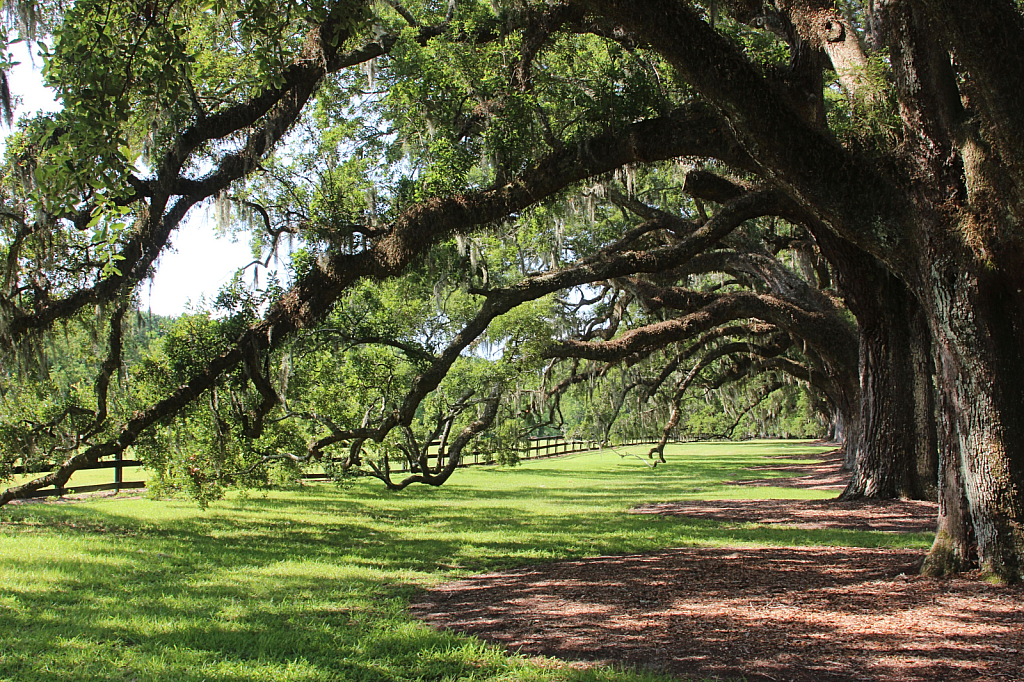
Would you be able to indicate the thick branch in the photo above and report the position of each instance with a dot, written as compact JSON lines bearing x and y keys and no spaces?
{"x":454,"y":453}
{"x":825,"y":27}
{"x":689,"y":132}
{"x":808,"y":163}
{"x":278,"y":108}
{"x":987,"y":37}
{"x":830,"y":337}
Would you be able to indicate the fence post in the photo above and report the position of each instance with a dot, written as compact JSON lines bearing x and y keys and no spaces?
{"x":118,"y":472}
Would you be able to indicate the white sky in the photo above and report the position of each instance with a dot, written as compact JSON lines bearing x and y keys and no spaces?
{"x":201,"y":262}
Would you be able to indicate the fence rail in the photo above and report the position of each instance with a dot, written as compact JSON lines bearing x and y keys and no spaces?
{"x":640,"y":441}
{"x":534,"y":448}
{"x":549,"y":446}
{"x":117,"y":464}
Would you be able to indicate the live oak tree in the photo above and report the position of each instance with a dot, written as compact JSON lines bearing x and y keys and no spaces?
{"x":375,"y":133}
{"x":738,"y":324}
{"x":938,"y":210}
{"x":889,"y":457}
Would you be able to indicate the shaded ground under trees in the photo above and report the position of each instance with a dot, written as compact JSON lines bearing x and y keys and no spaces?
{"x":778,"y":613}
{"x":760,"y":613}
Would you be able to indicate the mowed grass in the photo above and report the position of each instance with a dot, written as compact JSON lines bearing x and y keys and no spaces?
{"x":312,"y":584}
{"x":90,"y":477}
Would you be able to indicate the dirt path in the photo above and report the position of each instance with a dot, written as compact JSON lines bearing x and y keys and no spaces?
{"x":769,"y":614}
{"x":896,"y":516}
{"x":781,"y":613}
{"x":817,"y":472}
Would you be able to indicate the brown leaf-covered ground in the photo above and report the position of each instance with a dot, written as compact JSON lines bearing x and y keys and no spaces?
{"x":814,"y":471}
{"x":774,"y":613}
{"x":896,"y":516}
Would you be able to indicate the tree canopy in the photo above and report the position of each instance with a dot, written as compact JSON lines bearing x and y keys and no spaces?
{"x":482,"y":211}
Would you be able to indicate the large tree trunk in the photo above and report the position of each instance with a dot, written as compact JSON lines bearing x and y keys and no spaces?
{"x":884,"y":445}
{"x":976,"y":313}
{"x":886,"y":454}
{"x":851,"y":437}
{"x":954,"y":549}
{"x":897,"y":457}
{"x":837,"y":428}
{"x":968,"y":273}
{"x":926,"y":473}
{"x":881,"y":468}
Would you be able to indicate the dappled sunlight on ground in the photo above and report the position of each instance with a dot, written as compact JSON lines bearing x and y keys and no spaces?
{"x":776,"y":613}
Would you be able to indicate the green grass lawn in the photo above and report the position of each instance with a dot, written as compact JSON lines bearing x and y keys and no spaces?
{"x":90,"y":477}
{"x":312,"y":584}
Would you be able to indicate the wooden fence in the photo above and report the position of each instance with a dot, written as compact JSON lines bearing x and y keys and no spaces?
{"x":535,"y":448}
{"x":640,"y":441}
{"x":118,"y":464}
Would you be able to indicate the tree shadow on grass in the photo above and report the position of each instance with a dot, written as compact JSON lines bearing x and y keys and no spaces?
{"x":766,"y":614}
{"x":314,"y":586}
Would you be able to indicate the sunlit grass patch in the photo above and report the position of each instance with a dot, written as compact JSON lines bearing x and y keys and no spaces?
{"x":312,"y":583}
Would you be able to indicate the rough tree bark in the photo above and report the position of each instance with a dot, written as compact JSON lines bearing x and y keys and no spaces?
{"x":967,"y":165}
{"x":887,"y":429}
{"x":943,"y":218}
{"x":886,"y":466}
